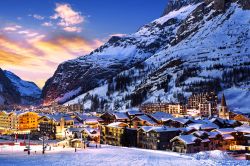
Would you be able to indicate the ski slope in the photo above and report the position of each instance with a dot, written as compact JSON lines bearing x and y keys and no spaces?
{"x":111,"y":156}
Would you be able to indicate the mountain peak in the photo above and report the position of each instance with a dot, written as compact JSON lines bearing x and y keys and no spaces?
{"x":177,"y":4}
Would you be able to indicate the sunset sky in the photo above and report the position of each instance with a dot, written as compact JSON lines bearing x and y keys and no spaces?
{"x":37,"y":35}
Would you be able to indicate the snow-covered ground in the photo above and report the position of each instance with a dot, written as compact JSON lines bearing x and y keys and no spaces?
{"x":109,"y":155}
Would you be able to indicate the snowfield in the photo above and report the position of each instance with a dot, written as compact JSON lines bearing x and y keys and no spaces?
{"x":109,"y":155}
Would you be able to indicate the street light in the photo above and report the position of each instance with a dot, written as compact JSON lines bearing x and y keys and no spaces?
{"x":43,"y":133}
{"x":29,"y":144}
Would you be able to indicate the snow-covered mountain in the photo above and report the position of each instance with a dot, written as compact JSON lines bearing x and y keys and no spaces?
{"x":197,"y":45}
{"x":14,"y":90}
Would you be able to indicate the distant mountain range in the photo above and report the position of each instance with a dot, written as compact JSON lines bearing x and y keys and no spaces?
{"x":196,"y":46}
{"x":14,"y":90}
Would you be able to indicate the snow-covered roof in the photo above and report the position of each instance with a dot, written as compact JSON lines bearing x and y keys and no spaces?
{"x":187,"y":129}
{"x":200,"y":133}
{"x":75,"y":129}
{"x":158,"y":129}
{"x":218,"y":119}
{"x":145,"y":128}
{"x":205,"y":140}
{"x":163,"y":129}
{"x":160,"y":116}
{"x":117,"y":124}
{"x":226,"y":130}
{"x":134,"y":112}
{"x":120,"y":115}
{"x":213,"y":134}
{"x":147,"y":119}
{"x":222,"y":121}
{"x":181,"y":120}
{"x":244,"y":129}
{"x":92,"y":132}
{"x":227,"y":137}
{"x":203,"y":126}
{"x":187,"y":139}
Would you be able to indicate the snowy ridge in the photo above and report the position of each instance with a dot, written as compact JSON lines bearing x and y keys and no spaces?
{"x":14,"y":90}
{"x":117,"y":55}
{"x":25,"y":88}
{"x":163,"y":74}
{"x":196,"y":48}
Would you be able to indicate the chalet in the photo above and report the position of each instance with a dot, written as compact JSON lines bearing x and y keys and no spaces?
{"x":244,"y":129}
{"x":187,"y":130}
{"x":113,"y":134}
{"x":231,"y":137}
{"x":157,"y":138}
{"x":114,"y":117}
{"x":189,"y":144}
{"x":91,"y":134}
{"x":121,"y":117}
{"x":216,"y":140}
{"x":91,"y":121}
{"x":204,"y":126}
{"x":47,"y":125}
{"x":107,"y":118}
{"x":143,"y":120}
{"x":62,"y":123}
{"x":133,"y":113}
{"x":225,"y":123}
{"x":178,"y":122}
{"x":242,"y":118}
{"x":161,"y":117}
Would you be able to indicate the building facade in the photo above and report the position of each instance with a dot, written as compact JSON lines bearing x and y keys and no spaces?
{"x":205,"y":103}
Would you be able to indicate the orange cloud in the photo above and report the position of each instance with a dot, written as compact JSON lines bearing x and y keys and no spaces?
{"x":36,"y":58}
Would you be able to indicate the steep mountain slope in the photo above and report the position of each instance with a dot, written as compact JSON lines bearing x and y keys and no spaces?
{"x":118,"y":54}
{"x":205,"y":48}
{"x":14,"y":90}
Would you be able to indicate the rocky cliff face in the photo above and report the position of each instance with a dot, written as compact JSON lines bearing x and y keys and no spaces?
{"x":196,"y":46}
{"x":14,"y":90}
{"x":177,"y":4}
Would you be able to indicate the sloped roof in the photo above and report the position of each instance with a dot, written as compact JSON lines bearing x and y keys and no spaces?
{"x":92,"y":132}
{"x":227,"y":137}
{"x":200,"y":133}
{"x":160,"y":116}
{"x":187,"y":139}
{"x":158,"y":129}
{"x":146,"y":118}
{"x":120,"y":115}
{"x":181,"y":120}
{"x":226,"y":130}
{"x":244,"y":129}
{"x":213,"y":134}
{"x":203,"y":126}
{"x":117,"y":124}
{"x":163,"y":129}
{"x":133,"y":112}
{"x":145,"y":128}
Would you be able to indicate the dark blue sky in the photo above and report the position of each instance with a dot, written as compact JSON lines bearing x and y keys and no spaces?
{"x":103,"y":17}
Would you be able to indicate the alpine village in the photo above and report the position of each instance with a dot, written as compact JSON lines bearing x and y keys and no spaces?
{"x":162,"y":98}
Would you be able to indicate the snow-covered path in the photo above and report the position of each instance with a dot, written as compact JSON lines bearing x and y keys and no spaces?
{"x":107,"y":155}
